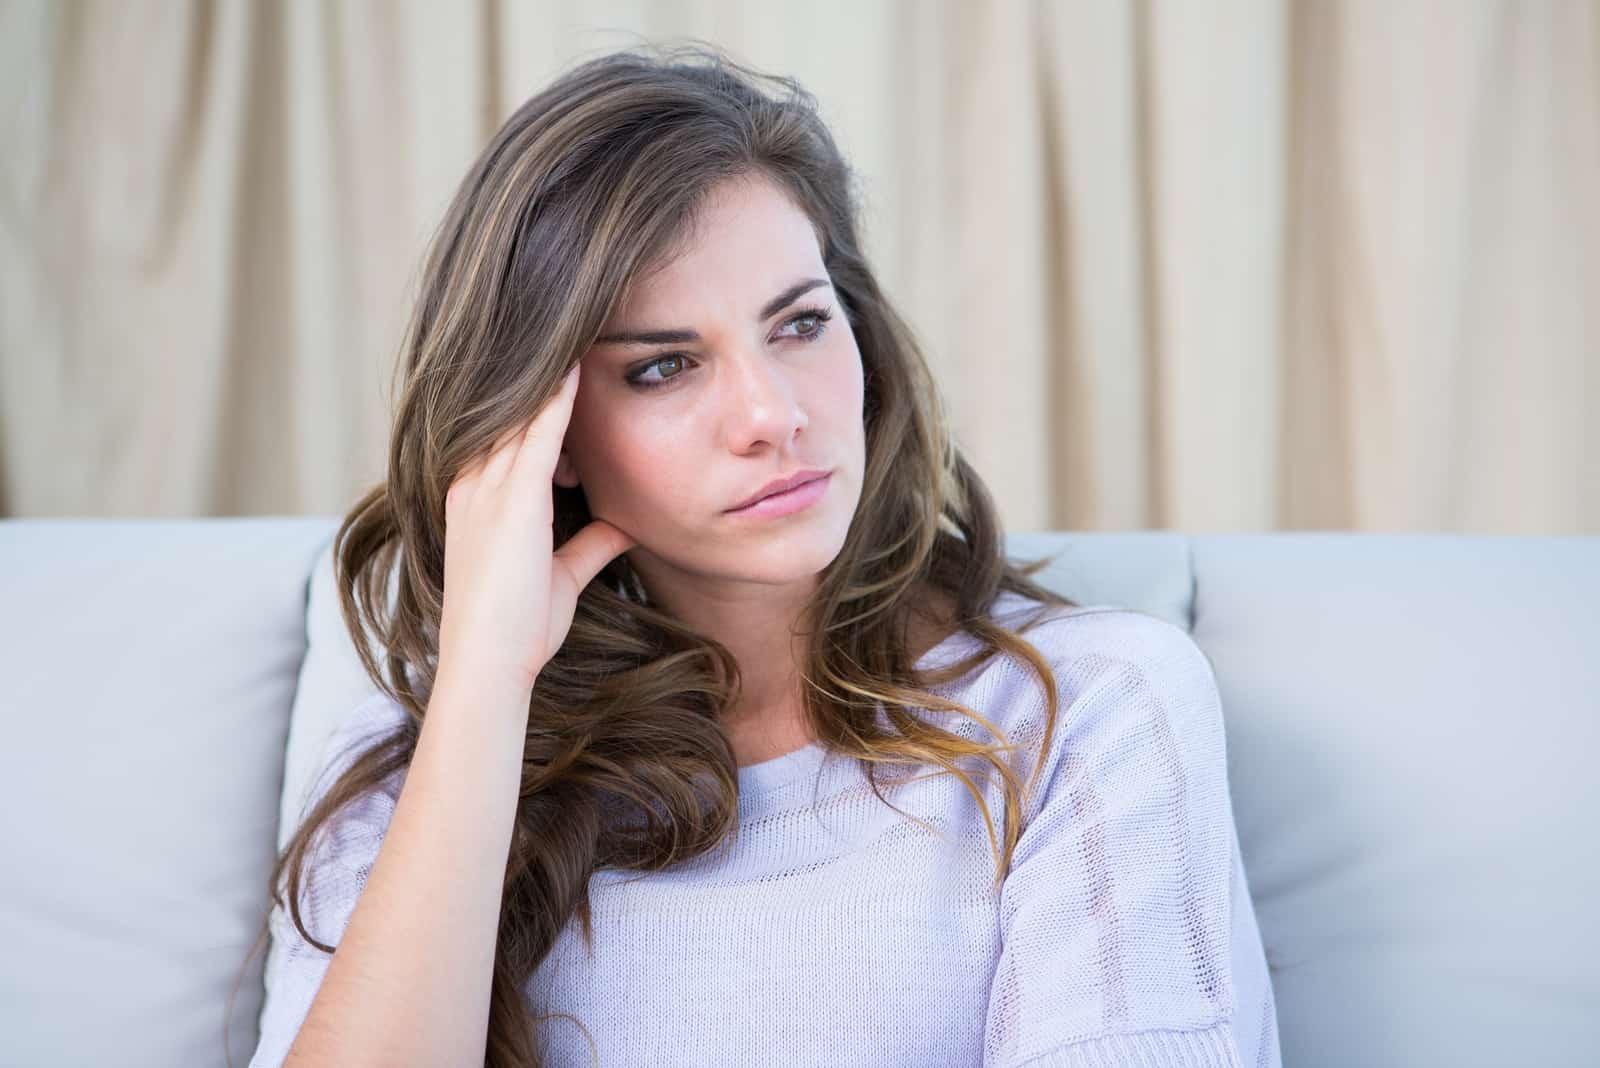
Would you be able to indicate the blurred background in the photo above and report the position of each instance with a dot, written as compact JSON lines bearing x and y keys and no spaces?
{"x":1240,"y":265}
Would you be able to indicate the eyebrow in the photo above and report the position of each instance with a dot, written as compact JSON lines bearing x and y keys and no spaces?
{"x":676,"y":337}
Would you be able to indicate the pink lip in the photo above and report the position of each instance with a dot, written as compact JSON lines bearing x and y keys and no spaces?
{"x":779,"y":485}
{"x":802,"y":496}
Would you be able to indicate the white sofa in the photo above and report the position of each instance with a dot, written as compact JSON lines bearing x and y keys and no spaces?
{"x":1413,"y":738}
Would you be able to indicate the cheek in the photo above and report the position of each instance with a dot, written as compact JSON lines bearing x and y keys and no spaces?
{"x":639,"y":473}
{"x":843,"y":386}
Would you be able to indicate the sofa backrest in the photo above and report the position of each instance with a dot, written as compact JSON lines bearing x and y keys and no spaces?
{"x":150,"y":666}
{"x":1411,"y":725}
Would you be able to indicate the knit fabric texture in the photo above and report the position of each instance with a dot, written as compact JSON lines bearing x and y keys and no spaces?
{"x":834,"y":930}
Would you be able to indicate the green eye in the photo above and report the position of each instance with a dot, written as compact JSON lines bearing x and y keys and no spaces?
{"x":673,"y":360}
{"x":673,"y":364}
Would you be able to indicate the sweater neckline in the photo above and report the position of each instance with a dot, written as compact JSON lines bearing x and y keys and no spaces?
{"x":761,"y":780}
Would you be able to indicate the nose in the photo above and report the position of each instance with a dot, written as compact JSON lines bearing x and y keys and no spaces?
{"x":762,"y":405}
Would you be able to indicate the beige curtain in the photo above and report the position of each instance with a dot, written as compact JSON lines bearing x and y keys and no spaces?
{"x":1240,"y":265}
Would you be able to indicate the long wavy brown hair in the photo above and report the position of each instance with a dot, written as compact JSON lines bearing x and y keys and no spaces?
{"x":584,"y":188}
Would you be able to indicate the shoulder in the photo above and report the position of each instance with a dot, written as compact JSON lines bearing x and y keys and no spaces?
{"x":1096,"y":640}
{"x":1118,"y":673}
{"x":342,"y":847}
{"x":357,"y":732}
{"x":1094,"y":644}
{"x":372,"y":719}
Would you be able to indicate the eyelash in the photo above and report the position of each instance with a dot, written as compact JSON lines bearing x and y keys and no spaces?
{"x":821,"y":315}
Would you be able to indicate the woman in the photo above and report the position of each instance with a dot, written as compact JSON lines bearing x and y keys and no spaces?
{"x":708,"y":731}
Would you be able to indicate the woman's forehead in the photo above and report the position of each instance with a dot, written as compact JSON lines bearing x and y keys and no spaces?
{"x":747,"y":242}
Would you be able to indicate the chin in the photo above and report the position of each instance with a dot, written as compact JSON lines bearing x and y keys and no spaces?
{"x":790,"y":564}
{"x":786,"y":552}
{"x":780,"y":557}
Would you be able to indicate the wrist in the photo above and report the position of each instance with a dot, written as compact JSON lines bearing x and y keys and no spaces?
{"x":470,"y":685}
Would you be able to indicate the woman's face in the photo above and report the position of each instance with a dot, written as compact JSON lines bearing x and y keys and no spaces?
{"x":668,"y":435}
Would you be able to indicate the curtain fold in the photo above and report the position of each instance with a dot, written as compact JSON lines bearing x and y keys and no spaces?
{"x":1251,"y":265}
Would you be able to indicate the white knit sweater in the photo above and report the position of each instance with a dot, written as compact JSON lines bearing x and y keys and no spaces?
{"x":834,"y":931}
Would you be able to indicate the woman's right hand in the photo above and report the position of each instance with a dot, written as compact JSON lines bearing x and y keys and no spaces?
{"x":508,"y":599}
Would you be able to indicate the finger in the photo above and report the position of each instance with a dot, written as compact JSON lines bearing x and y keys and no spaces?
{"x":502,"y":454}
{"x":547,"y":430}
{"x":591,"y":549}
{"x":465,"y":477}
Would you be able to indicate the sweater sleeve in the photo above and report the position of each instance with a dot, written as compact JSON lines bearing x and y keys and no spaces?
{"x":1115,"y":914}
{"x":340,"y":859}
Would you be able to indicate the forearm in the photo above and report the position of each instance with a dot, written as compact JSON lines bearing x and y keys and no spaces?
{"x":419,"y":946}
